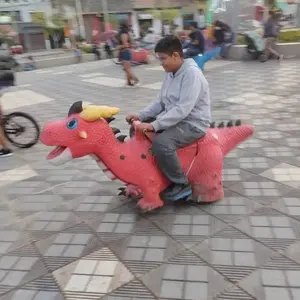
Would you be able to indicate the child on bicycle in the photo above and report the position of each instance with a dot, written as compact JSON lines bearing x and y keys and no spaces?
{"x":7,"y":79}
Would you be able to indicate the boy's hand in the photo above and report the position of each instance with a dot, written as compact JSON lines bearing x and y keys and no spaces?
{"x":145,"y":127}
{"x":131,"y":118}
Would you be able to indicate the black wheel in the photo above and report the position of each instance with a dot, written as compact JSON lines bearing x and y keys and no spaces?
{"x":17,"y":125}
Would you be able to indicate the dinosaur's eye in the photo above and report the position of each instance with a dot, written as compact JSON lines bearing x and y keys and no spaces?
{"x":72,"y":124}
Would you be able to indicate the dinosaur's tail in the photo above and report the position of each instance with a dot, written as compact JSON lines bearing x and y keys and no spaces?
{"x":230,"y":137}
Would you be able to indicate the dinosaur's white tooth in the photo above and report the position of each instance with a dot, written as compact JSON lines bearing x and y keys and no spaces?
{"x":119,"y":181}
{"x":101,"y":165}
{"x":110,"y":175}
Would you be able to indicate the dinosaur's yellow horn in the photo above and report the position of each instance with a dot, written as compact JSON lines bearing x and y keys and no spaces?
{"x":95,"y":112}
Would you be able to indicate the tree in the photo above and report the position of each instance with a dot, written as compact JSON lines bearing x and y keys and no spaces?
{"x":165,"y":14}
{"x":55,"y":27}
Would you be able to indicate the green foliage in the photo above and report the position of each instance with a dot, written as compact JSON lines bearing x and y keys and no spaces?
{"x":79,"y":39}
{"x":112,"y":19}
{"x":86,"y":48}
{"x":39,"y":18}
{"x":165,"y":14}
{"x":290,"y":36}
{"x":58,"y":21}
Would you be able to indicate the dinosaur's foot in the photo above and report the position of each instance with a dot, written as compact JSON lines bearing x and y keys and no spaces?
{"x":131,"y":191}
{"x":147,"y":206}
{"x":207,"y":195}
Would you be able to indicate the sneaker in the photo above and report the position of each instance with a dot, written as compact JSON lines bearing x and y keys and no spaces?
{"x":6,"y":153}
{"x":137,"y":83}
{"x":177,"y":192}
{"x":128,"y":85}
{"x":280,"y":58}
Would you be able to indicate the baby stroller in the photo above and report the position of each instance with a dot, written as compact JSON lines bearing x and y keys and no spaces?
{"x":255,"y":46}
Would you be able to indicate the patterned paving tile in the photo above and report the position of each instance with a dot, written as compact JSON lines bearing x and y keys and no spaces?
{"x":132,"y":290}
{"x":17,"y":99}
{"x":234,"y":293}
{"x":141,"y":253}
{"x":89,"y":215}
{"x":253,"y":163}
{"x":92,"y":276}
{"x":31,"y":204}
{"x":232,"y":175}
{"x":278,"y":279}
{"x":87,"y":207}
{"x":189,"y":227}
{"x":270,"y":227}
{"x":65,"y":247}
{"x":106,"y":81}
{"x":185,"y":281}
{"x":234,"y":258}
{"x":261,"y":189}
{"x":287,"y":174}
{"x":232,"y":208}
{"x":29,"y":186}
{"x":112,"y":226}
{"x":12,"y":239}
{"x":289,"y":206}
{"x":18,"y":270}
{"x":47,"y":223}
{"x":75,"y":189}
{"x":16,"y":174}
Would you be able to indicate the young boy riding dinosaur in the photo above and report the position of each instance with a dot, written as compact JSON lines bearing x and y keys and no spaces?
{"x":181,"y":114}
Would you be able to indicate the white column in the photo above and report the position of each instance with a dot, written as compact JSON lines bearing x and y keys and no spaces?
{"x":135,"y":24}
{"x":80,"y":18}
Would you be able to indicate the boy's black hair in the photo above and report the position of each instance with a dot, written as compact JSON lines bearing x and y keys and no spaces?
{"x":169,"y":45}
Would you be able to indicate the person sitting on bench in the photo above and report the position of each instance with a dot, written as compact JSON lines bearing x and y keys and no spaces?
{"x":197,"y":44}
{"x":182,"y":114}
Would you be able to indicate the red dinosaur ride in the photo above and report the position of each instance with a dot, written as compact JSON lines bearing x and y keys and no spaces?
{"x":86,"y":131}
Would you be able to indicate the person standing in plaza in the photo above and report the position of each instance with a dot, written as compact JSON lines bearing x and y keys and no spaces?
{"x":271,"y":32}
{"x":201,"y":20}
{"x":125,"y":55}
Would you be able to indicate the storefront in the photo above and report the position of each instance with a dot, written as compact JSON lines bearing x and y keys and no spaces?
{"x":31,"y":36}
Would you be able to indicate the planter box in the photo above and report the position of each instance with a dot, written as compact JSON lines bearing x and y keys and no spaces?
{"x":59,"y":61}
{"x":287,"y":49}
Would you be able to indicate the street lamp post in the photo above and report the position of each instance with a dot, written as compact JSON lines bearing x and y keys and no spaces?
{"x":105,"y":14}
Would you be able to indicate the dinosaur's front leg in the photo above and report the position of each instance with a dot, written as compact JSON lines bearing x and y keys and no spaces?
{"x":151,"y":199}
{"x":131,"y":191}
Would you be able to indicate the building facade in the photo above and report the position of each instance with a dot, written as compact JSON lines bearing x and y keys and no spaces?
{"x":20,"y":10}
{"x":91,"y":18}
{"x":19,"y":15}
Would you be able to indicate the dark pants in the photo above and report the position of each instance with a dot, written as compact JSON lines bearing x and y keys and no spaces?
{"x":191,"y":52}
{"x":165,"y":145}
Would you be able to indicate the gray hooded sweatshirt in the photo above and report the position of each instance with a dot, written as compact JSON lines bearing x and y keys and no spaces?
{"x":184,"y":97}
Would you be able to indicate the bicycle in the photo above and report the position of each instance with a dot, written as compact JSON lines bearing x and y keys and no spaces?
{"x":13,"y":129}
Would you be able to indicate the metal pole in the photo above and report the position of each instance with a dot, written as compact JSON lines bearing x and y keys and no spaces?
{"x":77,"y":16}
{"x":105,"y":14}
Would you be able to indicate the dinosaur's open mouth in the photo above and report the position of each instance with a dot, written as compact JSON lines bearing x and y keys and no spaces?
{"x":56,"y":152}
{"x":59,"y":155}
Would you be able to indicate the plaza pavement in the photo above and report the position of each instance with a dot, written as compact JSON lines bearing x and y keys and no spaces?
{"x":64,"y":234}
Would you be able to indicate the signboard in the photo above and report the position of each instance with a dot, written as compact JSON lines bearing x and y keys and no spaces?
{"x":5,"y":19}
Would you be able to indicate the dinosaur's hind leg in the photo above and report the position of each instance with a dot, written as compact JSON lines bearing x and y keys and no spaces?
{"x":206,"y":177}
{"x":208,"y":188}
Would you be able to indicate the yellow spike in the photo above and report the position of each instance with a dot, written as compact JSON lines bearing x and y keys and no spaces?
{"x":95,"y":112}
{"x":83,"y":134}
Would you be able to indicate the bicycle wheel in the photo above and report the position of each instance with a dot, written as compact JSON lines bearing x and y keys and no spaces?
{"x":13,"y":129}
